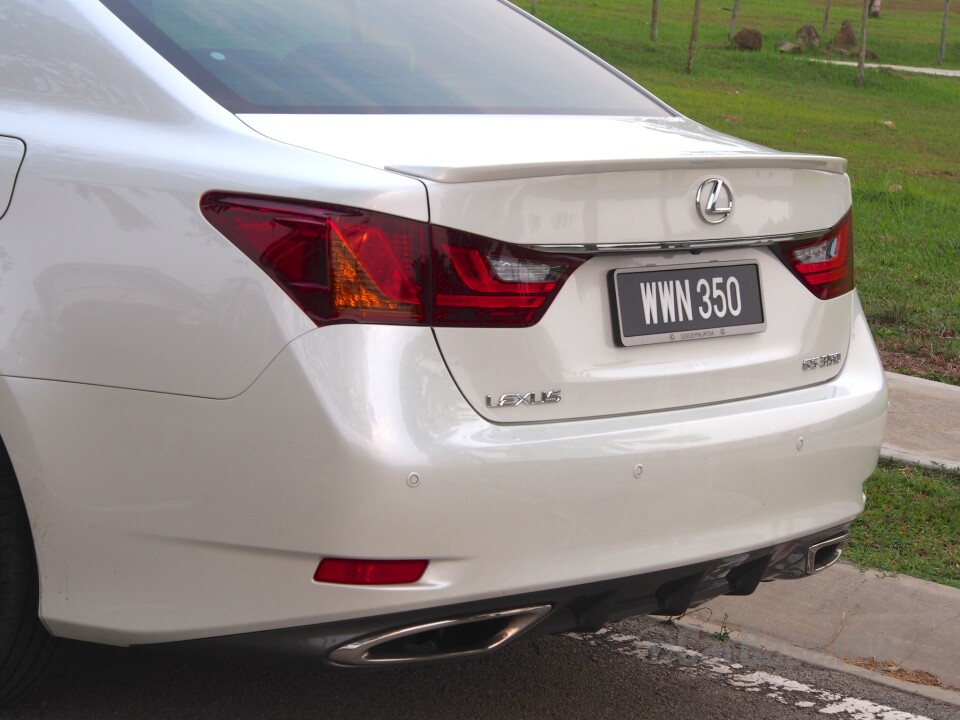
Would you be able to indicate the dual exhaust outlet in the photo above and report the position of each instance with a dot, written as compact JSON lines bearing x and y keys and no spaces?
{"x":825,"y":553}
{"x":449,"y":639}
{"x":472,"y":635}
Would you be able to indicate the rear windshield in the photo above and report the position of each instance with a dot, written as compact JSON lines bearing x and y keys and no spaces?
{"x":379,"y":56}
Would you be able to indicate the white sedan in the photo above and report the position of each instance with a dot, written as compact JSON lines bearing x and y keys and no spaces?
{"x":387,"y":332}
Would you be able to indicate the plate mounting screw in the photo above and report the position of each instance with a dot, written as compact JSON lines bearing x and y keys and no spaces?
{"x":413,"y":479}
{"x":800,"y":443}
{"x":637,"y":470}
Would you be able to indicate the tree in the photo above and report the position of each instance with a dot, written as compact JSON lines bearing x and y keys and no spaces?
{"x":733,"y":18}
{"x":694,"y":29}
{"x":654,"y":20}
{"x":863,"y":42}
{"x":533,"y":7}
{"x":826,"y":21}
{"x":943,"y":32}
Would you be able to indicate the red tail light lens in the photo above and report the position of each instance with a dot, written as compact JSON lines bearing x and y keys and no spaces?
{"x":479,"y":281}
{"x":343,"y":571}
{"x":824,"y":265}
{"x":338,"y":264}
{"x":347,"y":265}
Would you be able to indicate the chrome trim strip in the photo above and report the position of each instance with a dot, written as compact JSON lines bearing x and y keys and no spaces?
{"x":660,"y":246}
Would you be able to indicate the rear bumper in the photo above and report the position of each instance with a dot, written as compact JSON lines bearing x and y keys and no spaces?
{"x":583,"y":608}
{"x":207,"y":518}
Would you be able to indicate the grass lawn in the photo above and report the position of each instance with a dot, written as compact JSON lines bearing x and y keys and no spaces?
{"x":911,"y":524}
{"x":900,"y":133}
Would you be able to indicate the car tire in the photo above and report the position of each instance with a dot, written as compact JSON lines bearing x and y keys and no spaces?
{"x":25,"y":645}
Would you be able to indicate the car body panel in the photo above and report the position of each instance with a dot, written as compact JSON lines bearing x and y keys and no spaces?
{"x":189,"y":444}
{"x":574,"y":349}
{"x":159,"y":301}
{"x":497,"y":510}
{"x":471,"y":148}
{"x":124,"y":283}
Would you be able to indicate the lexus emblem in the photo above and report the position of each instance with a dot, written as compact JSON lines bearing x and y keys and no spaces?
{"x":714,"y":201}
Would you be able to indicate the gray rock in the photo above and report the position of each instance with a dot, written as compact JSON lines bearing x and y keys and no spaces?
{"x":747,"y":39}
{"x":846,"y":38}
{"x":868,"y":55}
{"x":789,"y":47}
{"x":808,"y":35}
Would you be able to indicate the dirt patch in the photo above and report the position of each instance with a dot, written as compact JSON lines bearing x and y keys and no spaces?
{"x":935,"y":173}
{"x":931,"y":366}
{"x":891,"y":669}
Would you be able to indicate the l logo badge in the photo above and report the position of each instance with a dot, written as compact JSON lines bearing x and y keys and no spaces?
{"x":714,"y":201}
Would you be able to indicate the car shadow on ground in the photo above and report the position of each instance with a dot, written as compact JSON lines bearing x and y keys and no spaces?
{"x":541,"y":678}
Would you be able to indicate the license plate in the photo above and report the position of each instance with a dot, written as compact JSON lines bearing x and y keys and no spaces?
{"x":689,"y":303}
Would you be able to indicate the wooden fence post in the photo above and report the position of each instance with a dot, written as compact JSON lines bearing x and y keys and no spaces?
{"x":733,"y":18}
{"x":943,"y":32}
{"x":694,"y":29}
{"x":863,"y":42}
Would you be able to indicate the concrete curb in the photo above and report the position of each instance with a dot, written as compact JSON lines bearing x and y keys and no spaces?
{"x":923,"y":422}
{"x":843,"y":614}
{"x":765,"y":644}
{"x":888,"y":452}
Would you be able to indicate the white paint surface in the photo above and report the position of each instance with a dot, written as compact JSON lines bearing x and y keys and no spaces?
{"x":778,"y":688}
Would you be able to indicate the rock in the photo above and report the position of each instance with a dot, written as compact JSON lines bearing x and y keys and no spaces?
{"x":789,"y":47}
{"x":808,"y":35}
{"x":855,"y":53}
{"x":846,"y":38}
{"x":747,"y":39}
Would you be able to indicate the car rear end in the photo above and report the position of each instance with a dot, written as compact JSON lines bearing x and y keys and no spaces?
{"x":588,"y":439}
{"x":442,"y":370}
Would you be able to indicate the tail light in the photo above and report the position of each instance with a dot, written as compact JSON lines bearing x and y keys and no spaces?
{"x":824,"y":265}
{"x":478,"y":281}
{"x":346,"y":265}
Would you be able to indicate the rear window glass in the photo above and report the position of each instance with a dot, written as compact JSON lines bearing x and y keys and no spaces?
{"x":379,"y":56}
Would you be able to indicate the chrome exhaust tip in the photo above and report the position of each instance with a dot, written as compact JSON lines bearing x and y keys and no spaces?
{"x":825,"y":553}
{"x":449,"y":639}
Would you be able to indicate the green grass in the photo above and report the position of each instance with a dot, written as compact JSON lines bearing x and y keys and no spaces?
{"x":911,"y":524}
{"x":907,"y":33}
{"x":899,"y":132}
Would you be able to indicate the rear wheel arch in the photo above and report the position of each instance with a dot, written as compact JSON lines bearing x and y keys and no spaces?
{"x":25,"y":644}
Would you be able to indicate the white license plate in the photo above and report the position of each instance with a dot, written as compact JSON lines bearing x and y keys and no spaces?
{"x":689,"y":303}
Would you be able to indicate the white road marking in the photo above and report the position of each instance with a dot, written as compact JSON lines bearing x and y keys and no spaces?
{"x":780,"y":689}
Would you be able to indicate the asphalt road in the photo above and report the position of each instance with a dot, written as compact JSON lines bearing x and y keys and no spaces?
{"x":635,"y":669}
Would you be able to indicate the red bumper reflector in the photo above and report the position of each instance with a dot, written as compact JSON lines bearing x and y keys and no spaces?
{"x":369,"y":572}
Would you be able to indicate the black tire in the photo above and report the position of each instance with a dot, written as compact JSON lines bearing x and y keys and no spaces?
{"x":25,"y":645}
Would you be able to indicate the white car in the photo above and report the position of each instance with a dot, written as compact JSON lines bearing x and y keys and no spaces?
{"x":389,"y":331}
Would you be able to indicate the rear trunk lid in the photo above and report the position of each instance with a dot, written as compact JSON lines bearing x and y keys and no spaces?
{"x":624,"y":191}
